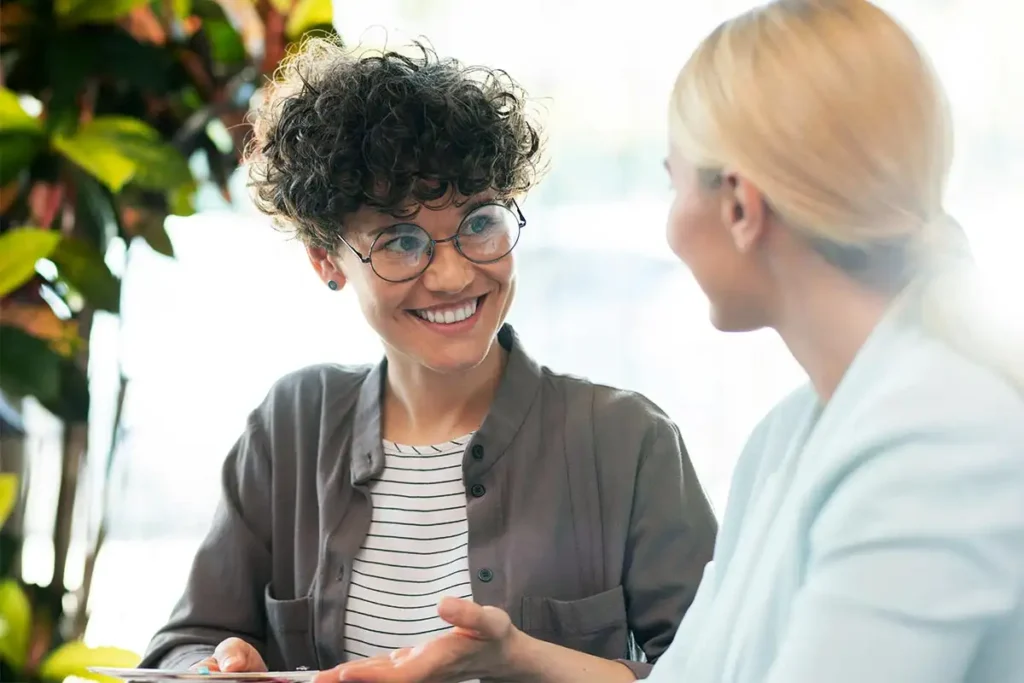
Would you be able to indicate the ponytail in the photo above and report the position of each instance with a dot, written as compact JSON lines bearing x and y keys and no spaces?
{"x":946,"y":298}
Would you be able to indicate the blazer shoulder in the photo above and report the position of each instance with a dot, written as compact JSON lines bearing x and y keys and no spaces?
{"x":315,"y":381}
{"x":929,"y":414}
{"x":611,"y":408}
{"x":302,"y":399}
{"x":930,"y":389}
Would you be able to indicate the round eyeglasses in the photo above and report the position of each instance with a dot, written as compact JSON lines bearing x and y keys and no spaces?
{"x":403,"y":251}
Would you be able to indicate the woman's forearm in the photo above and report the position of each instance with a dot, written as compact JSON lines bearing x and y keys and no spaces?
{"x":535,"y":661}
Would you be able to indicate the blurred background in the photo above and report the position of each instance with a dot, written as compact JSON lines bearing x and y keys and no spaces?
{"x":201,"y":336}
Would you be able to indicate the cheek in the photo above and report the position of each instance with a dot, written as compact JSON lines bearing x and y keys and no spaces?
{"x":684,"y":228}
{"x":377,"y":298}
{"x":696,"y":235}
{"x":502,"y":277}
{"x":501,"y":272}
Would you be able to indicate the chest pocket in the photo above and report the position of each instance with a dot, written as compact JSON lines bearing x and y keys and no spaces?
{"x":596,"y":624}
{"x":290,"y":645}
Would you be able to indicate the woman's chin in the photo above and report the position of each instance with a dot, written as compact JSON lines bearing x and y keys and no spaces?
{"x":727,"y":319}
{"x":456,"y":358}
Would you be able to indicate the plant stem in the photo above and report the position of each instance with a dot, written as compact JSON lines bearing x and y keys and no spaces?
{"x":74,"y":444}
{"x":81,"y":619}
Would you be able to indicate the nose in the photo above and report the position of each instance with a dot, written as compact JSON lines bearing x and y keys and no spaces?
{"x":449,"y":272}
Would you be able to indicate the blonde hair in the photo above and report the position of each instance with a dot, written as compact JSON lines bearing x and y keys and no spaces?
{"x":833,"y":111}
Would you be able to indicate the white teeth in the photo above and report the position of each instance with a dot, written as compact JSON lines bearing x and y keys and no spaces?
{"x":447,"y":316}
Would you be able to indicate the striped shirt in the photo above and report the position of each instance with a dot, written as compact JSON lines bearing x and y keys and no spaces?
{"x":415,"y":552}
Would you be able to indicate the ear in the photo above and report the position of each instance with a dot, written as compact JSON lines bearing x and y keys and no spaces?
{"x":325,"y":267}
{"x":743,"y":211}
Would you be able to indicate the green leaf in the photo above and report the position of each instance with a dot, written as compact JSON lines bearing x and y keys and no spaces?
{"x":15,"y":623}
{"x":122,"y":126}
{"x":308,"y":14}
{"x":72,"y":403}
{"x":21,"y":136}
{"x":95,"y":11}
{"x":209,"y":9}
{"x":181,"y":8}
{"x":82,"y":266}
{"x":8,"y":495}
{"x":159,"y":165}
{"x":156,"y":164}
{"x":28,"y":366}
{"x":75,"y":659}
{"x":226,"y":46}
{"x":119,"y":149}
{"x":95,"y":217}
{"x":13,"y":117}
{"x":97,"y":157}
{"x":181,"y":201}
{"x":31,"y":367}
{"x":20,"y":249}
{"x":17,"y":150}
{"x":155,"y":234}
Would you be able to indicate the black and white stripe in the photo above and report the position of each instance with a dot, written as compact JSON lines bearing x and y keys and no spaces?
{"x":415,"y":552}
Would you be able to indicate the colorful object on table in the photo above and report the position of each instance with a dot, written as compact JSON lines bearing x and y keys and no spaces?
{"x":204,"y":674}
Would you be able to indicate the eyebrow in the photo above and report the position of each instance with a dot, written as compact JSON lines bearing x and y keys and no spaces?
{"x":466,"y":208}
{"x":472,"y":205}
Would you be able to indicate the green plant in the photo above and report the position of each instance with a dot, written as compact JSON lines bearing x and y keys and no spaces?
{"x":112,"y":114}
{"x":22,"y":656}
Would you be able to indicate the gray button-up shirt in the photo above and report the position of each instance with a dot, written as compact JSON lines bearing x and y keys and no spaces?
{"x":586,"y":521}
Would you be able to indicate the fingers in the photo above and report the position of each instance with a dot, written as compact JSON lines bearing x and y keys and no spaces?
{"x":463,"y":614}
{"x":234,"y":654}
{"x":442,"y":659}
{"x":327,"y":676}
{"x":208,"y":664}
{"x":380,"y":669}
{"x":486,"y":623}
{"x":377,"y":671}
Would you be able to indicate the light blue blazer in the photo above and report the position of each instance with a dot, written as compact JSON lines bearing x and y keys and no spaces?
{"x":879,"y":539}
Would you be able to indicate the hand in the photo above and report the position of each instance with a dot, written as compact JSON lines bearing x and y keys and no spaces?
{"x":478,"y":647}
{"x":233,"y":654}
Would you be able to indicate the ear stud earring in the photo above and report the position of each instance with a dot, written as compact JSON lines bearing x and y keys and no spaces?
{"x":332,"y":285}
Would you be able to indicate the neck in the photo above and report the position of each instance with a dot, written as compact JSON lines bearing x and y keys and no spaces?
{"x":826,"y":319}
{"x":422,"y":406}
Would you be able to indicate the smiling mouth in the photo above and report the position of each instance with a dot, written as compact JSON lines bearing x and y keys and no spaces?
{"x":450,"y":315}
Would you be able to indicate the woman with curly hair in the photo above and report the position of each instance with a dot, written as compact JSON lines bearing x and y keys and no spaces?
{"x":356,"y":498}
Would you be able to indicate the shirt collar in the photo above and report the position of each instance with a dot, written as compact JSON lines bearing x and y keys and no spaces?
{"x":519,"y":386}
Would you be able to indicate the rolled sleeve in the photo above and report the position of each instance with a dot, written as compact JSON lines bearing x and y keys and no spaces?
{"x":671,"y":541}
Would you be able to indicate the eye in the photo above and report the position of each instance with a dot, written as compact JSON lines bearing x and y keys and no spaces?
{"x":404,"y":244}
{"x":402,"y":240}
{"x":478,"y":224}
{"x":486,"y":221}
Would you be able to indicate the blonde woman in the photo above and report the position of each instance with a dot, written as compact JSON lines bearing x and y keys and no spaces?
{"x":875,"y":528}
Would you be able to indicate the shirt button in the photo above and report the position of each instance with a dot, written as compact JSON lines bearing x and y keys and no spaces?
{"x":478,"y":452}
{"x":485,"y":575}
{"x":477,"y":490}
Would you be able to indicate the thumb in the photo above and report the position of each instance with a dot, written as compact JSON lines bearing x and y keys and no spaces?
{"x":234,"y":654}
{"x":487,"y":623}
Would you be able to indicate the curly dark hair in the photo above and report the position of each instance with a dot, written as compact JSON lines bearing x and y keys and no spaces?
{"x":337,"y":132}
